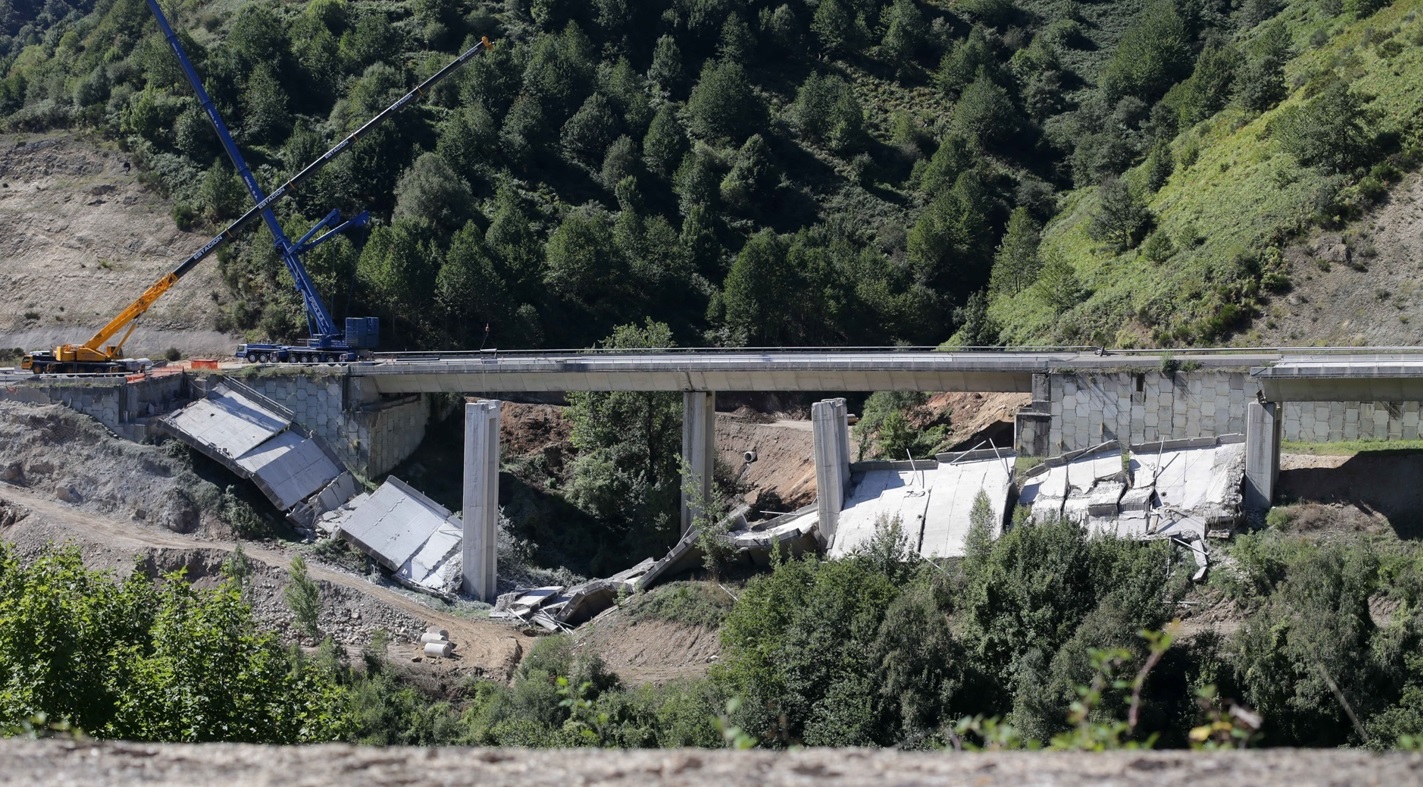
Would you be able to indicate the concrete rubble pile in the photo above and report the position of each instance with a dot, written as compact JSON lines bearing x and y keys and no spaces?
{"x":1184,"y":490}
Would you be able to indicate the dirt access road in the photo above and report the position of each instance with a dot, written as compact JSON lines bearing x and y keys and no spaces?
{"x":354,"y":607}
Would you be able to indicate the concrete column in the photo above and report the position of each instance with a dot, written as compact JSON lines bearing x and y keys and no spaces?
{"x":481,"y":499}
{"x":831,"y":438}
{"x":1262,"y":454}
{"x":698,"y":450}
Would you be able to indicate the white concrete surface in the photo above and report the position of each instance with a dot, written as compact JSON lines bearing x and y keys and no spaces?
{"x":481,"y":499}
{"x":227,"y":423}
{"x":698,"y":451}
{"x":1262,"y":454}
{"x":290,"y":468}
{"x":1177,"y":489}
{"x":934,"y":504}
{"x":830,"y":430}
{"x":406,"y":532}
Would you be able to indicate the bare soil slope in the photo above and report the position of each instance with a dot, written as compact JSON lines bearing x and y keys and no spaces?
{"x":1372,"y":491}
{"x":1361,"y":287}
{"x":81,"y":238}
{"x":69,"y":457}
{"x":785,"y":457}
{"x":650,"y":650}
{"x":65,"y":480}
{"x":353,"y":608}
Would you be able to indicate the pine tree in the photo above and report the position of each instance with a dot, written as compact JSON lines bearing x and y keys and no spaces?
{"x":757,"y":289}
{"x":592,"y":128}
{"x":903,"y":35}
{"x":1015,"y":265}
{"x":666,"y":71}
{"x":1121,"y":215}
{"x":723,"y":106}
{"x":665,"y":143}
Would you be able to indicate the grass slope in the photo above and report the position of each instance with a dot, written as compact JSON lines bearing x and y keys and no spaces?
{"x":1235,"y":198}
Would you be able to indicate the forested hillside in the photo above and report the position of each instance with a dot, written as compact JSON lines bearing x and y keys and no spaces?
{"x":760,"y":172}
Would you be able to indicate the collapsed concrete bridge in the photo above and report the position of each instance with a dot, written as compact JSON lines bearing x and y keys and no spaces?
{"x":1081,"y":398}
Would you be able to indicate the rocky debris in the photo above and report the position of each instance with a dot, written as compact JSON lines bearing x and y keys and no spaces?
{"x":1331,"y":247}
{"x":557,"y":608}
{"x":74,"y":459}
{"x":11,"y":513}
{"x":69,"y":763}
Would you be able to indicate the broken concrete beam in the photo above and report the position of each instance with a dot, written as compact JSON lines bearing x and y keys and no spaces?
{"x":1104,"y":497}
{"x":587,"y":600}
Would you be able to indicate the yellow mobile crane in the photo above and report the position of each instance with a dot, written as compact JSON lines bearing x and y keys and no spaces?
{"x":98,"y":355}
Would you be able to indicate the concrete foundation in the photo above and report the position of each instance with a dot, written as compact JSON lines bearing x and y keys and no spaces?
{"x":481,"y":499}
{"x":831,"y":434}
{"x":1262,"y":454}
{"x":698,"y":452}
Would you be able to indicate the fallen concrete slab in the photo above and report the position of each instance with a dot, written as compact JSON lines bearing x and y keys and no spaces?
{"x":227,"y":424}
{"x":409,"y":534}
{"x":933,"y":499}
{"x":1181,"y":489}
{"x":257,"y":440}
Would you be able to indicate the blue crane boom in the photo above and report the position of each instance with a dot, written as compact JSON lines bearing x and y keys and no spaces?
{"x":325,"y":339}
{"x":326,"y":342}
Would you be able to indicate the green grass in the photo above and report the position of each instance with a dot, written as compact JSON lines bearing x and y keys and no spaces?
{"x":1023,"y":464}
{"x":1240,"y":194}
{"x":689,"y":603}
{"x":1351,"y":447}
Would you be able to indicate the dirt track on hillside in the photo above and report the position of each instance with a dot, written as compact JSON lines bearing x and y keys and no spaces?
{"x":353,"y":606}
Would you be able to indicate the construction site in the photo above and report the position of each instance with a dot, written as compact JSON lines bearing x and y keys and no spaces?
{"x":455,"y":514}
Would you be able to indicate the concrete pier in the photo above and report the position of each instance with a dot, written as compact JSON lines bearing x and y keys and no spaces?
{"x":481,"y":499}
{"x":1262,"y":454}
{"x":698,"y":451}
{"x":831,"y":436}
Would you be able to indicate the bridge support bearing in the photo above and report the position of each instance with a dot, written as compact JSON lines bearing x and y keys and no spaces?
{"x":830,"y":432}
{"x":1262,"y":454}
{"x":698,"y":452}
{"x":481,"y":499}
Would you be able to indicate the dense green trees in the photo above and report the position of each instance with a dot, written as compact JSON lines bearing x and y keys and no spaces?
{"x":626,"y":472}
{"x":813,"y":122}
{"x":145,"y":661}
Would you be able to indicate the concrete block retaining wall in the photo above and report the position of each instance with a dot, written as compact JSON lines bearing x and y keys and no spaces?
{"x":1075,"y":411}
{"x":118,"y":403}
{"x":370,"y":434}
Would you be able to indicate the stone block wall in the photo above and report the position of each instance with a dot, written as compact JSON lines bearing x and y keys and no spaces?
{"x":119,"y":404}
{"x":1327,"y":422}
{"x":370,"y":434}
{"x":1145,"y":407}
{"x":1073,"y":411}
